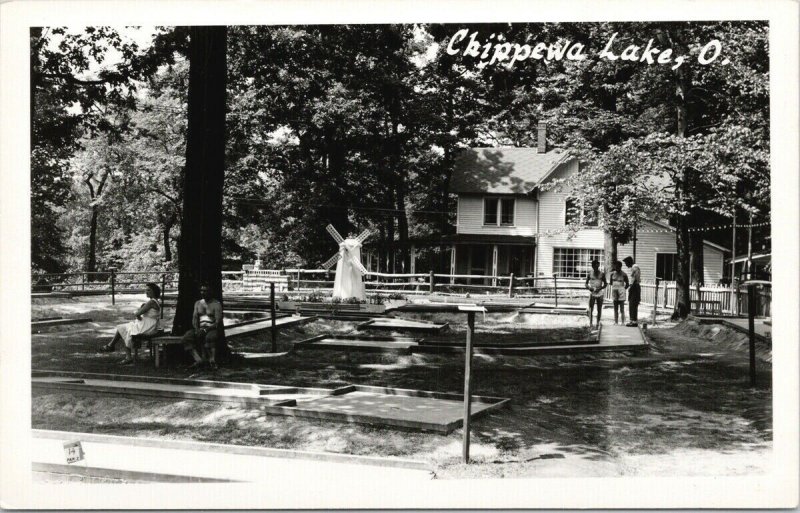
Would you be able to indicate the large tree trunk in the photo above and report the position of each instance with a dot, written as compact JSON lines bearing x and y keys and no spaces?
{"x":200,"y":244}
{"x":170,"y":222}
{"x":444,"y":226}
{"x":91,"y":255}
{"x":390,"y":256}
{"x":683,"y":195}
{"x":682,"y":278}
{"x":610,"y":251}
{"x":402,"y":226}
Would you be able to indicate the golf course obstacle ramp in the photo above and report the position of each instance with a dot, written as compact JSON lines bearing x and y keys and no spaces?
{"x":358,"y":342}
{"x":554,"y":310}
{"x":37,"y":325}
{"x":396,"y":324}
{"x":398,"y":408}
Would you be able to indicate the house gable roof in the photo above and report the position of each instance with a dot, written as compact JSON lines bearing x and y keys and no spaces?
{"x":503,"y":170}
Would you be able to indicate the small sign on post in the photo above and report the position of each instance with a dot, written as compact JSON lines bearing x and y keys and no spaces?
{"x":470,"y":310}
{"x":73,"y":451}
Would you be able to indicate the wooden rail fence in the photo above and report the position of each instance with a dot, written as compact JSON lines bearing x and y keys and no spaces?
{"x":724,"y":300}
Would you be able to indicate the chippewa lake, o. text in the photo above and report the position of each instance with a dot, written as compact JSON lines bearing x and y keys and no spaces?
{"x":495,"y":49}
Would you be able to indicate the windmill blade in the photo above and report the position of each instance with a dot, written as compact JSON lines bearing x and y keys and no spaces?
{"x":363,"y":235}
{"x":338,"y":238}
{"x":360,"y":267}
{"x":331,"y":261}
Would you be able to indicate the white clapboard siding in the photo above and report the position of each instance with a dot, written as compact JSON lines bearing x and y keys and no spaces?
{"x":648,"y":244}
{"x":552,"y":213}
{"x":470,"y":217}
{"x":713,"y":260}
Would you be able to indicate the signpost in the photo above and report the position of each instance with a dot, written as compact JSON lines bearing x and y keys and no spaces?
{"x":470,"y":310}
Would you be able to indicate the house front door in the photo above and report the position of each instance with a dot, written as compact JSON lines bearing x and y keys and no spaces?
{"x":520,"y":260}
{"x":478,"y":262}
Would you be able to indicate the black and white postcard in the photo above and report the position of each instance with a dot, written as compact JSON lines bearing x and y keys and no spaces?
{"x":375,"y":255}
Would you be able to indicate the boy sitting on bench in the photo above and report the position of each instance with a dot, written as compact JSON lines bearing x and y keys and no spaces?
{"x":201,"y":340}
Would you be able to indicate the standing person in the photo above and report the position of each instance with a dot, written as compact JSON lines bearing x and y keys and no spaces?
{"x":634,"y":291}
{"x":207,"y":327}
{"x":595,"y":283}
{"x":146,"y":322}
{"x":619,"y":283}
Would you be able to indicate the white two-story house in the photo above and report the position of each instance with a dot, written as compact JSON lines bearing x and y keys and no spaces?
{"x":508,"y":224}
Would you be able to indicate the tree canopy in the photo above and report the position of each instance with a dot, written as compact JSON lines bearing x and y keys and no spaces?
{"x":359,"y":126}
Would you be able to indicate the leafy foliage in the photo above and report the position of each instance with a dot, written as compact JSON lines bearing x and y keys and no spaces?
{"x":359,"y":126}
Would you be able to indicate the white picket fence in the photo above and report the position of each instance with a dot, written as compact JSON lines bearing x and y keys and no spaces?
{"x":713,"y":299}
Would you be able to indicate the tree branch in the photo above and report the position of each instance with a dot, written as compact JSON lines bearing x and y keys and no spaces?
{"x":72,"y":79}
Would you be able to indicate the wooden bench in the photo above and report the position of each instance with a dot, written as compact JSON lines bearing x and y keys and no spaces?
{"x":156,"y":342}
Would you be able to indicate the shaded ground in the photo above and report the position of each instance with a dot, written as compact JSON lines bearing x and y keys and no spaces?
{"x":681,"y":409}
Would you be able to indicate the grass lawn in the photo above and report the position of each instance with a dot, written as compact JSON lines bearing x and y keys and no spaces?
{"x":681,"y":409}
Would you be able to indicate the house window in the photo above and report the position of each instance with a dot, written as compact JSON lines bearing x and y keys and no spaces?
{"x":590,"y":218}
{"x":575,"y":214}
{"x":507,"y":212}
{"x":490,"y":211}
{"x":666,"y":266}
{"x":574,"y":262}
{"x":498,"y":212}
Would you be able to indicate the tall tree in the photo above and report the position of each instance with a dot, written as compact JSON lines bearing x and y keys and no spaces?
{"x":200,"y":244}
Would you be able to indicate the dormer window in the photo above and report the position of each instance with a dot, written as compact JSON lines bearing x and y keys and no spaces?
{"x":498,"y":211}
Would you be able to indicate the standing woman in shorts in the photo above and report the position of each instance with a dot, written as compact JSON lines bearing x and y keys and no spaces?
{"x":619,"y":284}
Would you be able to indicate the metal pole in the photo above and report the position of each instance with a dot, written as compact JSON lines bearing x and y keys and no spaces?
{"x":272,"y":311}
{"x":468,"y":383}
{"x":655,"y":302}
{"x":750,"y":250}
{"x":733,"y":250}
{"x":555,"y":288}
{"x":634,"y":243}
{"x":113,"y":286}
{"x":751,"y":325}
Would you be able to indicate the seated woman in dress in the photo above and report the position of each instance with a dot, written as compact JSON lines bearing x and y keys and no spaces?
{"x":147,"y":317}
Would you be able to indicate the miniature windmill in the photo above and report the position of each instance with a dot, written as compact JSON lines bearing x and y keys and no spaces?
{"x":349,"y":280}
